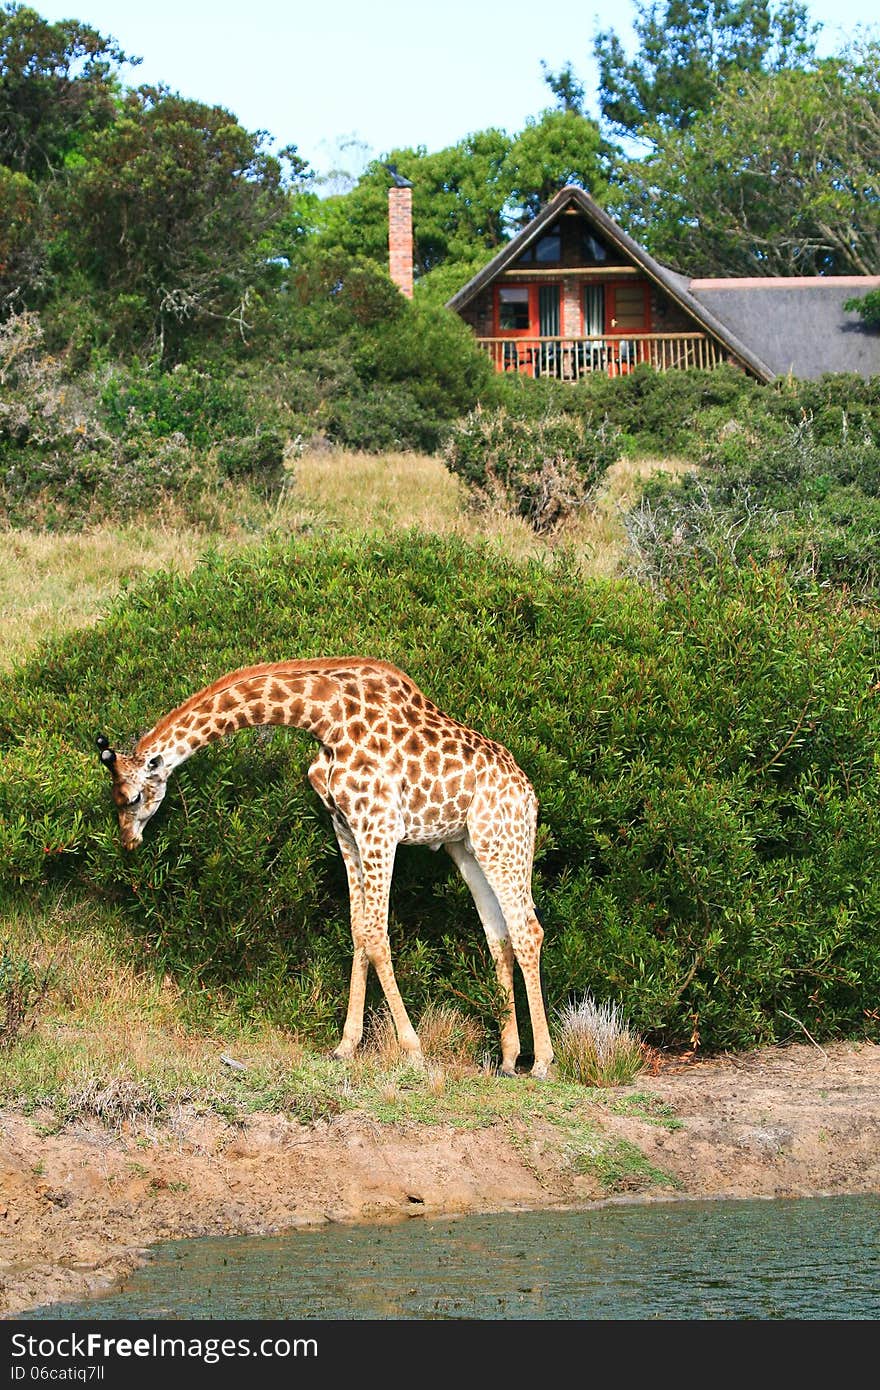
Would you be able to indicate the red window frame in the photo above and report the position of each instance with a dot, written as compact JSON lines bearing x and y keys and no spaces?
{"x":532,"y":330}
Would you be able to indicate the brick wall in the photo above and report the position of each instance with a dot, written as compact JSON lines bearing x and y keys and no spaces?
{"x":400,"y":239}
{"x":572,"y":317}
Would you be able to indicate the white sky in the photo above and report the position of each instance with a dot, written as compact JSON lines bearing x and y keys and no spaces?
{"x":383,"y":73}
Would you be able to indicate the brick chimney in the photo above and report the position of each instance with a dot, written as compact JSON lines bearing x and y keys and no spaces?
{"x":400,"y":239}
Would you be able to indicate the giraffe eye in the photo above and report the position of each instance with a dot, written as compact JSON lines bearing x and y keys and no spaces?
{"x":135,"y":800}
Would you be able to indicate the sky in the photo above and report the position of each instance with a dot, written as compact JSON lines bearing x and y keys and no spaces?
{"x":349,"y":80}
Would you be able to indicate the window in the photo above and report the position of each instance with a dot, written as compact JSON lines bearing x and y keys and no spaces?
{"x":547,"y":249}
{"x":593,"y":251}
{"x":513,"y":307}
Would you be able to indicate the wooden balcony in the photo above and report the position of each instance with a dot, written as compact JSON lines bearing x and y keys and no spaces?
{"x":568,"y":359}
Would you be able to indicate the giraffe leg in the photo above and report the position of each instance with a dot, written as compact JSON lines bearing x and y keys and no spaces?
{"x":506,"y":861}
{"x":378,"y":863}
{"x":353,"y":1030}
{"x":495,"y":927}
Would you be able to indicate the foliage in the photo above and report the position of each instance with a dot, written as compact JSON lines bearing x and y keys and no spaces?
{"x":467,"y":198}
{"x":200,"y":405}
{"x":801,"y":492}
{"x":74,"y":452}
{"x":21,"y":245}
{"x":689,"y":51}
{"x":707,"y":766}
{"x":867,"y":306}
{"x":551,"y":151}
{"x":704,"y":415}
{"x":540,"y":467}
{"x":778,"y":178}
{"x":386,"y":373}
{"x":167,"y":215}
{"x":458,"y":203}
{"x":58,"y":83}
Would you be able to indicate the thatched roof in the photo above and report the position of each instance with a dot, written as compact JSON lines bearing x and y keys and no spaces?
{"x":797,"y":324}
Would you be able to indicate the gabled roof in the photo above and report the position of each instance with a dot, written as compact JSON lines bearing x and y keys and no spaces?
{"x":772,"y":325}
{"x":674,"y":285}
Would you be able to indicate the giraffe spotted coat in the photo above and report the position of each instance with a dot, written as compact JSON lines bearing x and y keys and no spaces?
{"x":391,"y":769}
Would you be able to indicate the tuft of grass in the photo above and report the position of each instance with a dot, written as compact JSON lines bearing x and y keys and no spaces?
{"x":450,"y":1037}
{"x":594,"y":1045}
{"x":114,"y":1101}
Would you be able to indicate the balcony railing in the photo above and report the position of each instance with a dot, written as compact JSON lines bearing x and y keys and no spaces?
{"x":567,"y":359}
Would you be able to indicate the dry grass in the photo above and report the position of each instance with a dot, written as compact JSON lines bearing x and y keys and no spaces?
{"x":594,"y":1045}
{"x":51,"y":583}
{"x":597,"y":535}
{"x":447,"y":1035}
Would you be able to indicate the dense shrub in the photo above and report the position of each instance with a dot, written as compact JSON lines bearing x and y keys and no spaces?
{"x":199,"y":405}
{"x":707,"y":766}
{"x":257,"y":458}
{"x":798,"y":497}
{"x":115,"y":442}
{"x":699,"y":413}
{"x":389,"y":373}
{"x":540,"y":467}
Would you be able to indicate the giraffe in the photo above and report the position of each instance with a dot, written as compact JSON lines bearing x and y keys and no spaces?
{"x":391,"y":769}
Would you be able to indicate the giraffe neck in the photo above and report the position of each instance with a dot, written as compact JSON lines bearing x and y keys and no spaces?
{"x":298,"y":693}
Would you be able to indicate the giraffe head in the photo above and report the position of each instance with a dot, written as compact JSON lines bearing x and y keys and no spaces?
{"x":138,"y":786}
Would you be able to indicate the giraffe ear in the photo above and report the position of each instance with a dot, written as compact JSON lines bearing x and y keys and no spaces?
{"x":108,"y":757}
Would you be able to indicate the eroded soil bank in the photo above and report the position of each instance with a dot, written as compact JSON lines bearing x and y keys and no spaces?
{"x":78,"y":1209}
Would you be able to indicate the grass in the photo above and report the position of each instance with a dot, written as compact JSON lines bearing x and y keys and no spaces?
{"x":111,"y":1047}
{"x":594,"y":1045}
{"x":52,"y":582}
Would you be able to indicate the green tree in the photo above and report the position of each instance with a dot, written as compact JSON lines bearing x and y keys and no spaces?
{"x":567,"y":88}
{"x":58,"y":83}
{"x":688,"y":50}
{"x":556,"y":148}
{"x":170,"y":216}
{"x":469,"y":197}
{"x":780,"y":177}
{"x":458,"y":202}
{"x":868,"y":306}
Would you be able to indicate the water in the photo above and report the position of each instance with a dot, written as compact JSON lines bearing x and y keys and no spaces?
{"x":815,"y":1258}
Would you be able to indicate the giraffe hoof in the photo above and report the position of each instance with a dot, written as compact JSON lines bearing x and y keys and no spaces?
{"x":508,"y":1072}
{"x":540,"y":1071}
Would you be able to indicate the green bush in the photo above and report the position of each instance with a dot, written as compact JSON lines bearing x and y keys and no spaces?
{"x":258,"y":458}
{"x":380,"y":418}
{"x":201,"y":406}
{"x":707,"y":767}
{"x":704,"y":415}
{"x":542,"y":468}
{"x":71,"y":455}
{"x":792,"y":497}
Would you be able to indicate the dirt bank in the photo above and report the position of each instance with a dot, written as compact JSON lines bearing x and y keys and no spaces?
{"x":78,"y":1209}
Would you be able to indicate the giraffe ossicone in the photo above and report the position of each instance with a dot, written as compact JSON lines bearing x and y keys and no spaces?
{"x":392,"y":769}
